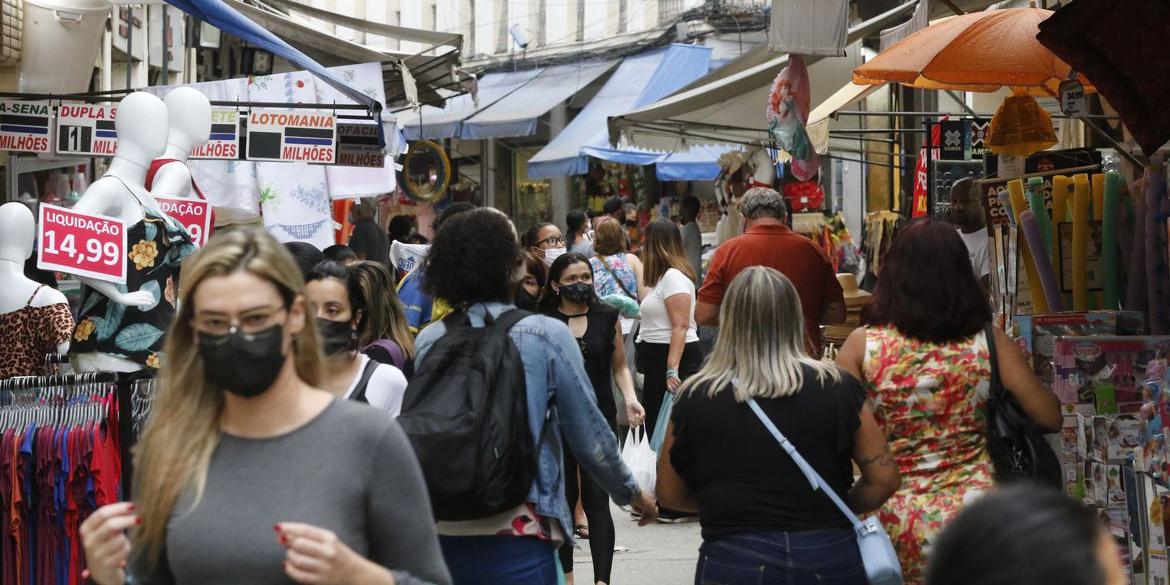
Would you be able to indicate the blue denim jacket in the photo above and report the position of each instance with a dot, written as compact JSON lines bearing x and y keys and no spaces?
{"x":557,"y":385}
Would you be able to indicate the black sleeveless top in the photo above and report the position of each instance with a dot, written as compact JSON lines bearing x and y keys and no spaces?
{"x":597,"y":349}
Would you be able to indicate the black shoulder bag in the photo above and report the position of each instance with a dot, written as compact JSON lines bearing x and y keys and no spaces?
{"x":1018,"y":449}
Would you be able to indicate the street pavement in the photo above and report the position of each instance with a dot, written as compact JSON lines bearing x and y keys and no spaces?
{"x":659,"y":554}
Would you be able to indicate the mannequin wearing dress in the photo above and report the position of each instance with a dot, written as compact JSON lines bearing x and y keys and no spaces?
{"x":35,"y":320}
{"x":189,"y":115}
{"x":155,"y":245}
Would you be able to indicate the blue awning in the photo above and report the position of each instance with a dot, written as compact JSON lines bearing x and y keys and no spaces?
{"x":518,"y":113}
{"x":700,"y":163}
{"x":432,"y":122}
{"x":640,"y":80}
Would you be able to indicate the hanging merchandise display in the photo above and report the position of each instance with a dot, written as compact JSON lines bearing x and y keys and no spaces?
{"x":787,"y":114}
{"x":1020,"y":127}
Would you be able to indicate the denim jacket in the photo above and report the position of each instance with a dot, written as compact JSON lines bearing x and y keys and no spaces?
{"x":556,"y":384}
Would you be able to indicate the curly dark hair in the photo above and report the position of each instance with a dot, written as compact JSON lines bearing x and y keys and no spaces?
{"x":476,"y":260}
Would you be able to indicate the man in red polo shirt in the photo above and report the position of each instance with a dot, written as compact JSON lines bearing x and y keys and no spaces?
{"x":767,"y":241}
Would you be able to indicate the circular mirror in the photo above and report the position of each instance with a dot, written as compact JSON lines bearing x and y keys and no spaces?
{"x":426,"y":172}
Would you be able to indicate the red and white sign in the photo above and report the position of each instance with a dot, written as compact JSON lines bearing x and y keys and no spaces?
{"x":193,"y":214}
{"x":292,"y":136}
{"x":81,"y":243}
{"x":921,"y":172}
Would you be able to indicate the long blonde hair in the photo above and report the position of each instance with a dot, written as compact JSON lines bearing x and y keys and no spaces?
{"x":183,"y":430}
{"x":385,"y":317}
{"x":760,"y":350}
{"x":663,"y":251}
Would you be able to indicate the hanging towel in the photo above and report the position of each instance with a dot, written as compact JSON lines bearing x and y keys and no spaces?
{"x":809,"y":27}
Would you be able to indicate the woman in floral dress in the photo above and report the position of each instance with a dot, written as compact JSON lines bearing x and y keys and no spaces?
{"x":925,"y":365}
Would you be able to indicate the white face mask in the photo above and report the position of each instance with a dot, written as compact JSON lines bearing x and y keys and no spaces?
{"x":551,"y":254}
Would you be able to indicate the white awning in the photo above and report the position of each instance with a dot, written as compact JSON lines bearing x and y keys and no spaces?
{"x":821,"y":116}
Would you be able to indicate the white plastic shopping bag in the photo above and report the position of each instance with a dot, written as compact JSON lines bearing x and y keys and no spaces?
{"x":641,"y":459}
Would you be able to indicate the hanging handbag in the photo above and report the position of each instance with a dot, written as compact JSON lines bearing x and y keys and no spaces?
{"x":1017,"y":448}
{"x":877,"y":552}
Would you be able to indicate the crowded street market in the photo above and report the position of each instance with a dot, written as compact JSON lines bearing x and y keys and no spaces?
{"x":493,"y":292}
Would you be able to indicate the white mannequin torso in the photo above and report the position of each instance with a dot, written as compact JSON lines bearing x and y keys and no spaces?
{"x":173,"y":179}
{"x":189,"y":118}
{"x":17,"y":234}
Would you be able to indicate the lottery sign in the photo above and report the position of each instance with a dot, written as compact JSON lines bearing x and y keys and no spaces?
{"x":192,"y":214}
{"x":357,"y":146}
{"x":292,"y":136}
{"x":81,"y":243}
{"x":24,"y":126}
{"x":86,"y":129}
{"x":224,"y":143}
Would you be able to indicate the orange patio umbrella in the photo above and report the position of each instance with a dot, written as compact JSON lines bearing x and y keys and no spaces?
{"x":980,"y":52}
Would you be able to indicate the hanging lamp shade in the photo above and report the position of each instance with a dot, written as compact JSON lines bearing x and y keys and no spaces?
{"x":1020,"y":127}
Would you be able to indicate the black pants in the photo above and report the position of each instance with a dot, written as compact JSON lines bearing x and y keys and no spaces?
{"x":652,"y":364}
{"x":601,"y":531}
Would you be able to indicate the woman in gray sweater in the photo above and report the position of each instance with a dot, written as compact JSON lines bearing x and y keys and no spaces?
{"x":246,"y":472}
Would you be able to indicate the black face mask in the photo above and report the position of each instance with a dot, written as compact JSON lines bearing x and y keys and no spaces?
{"x":244,"y":364}
{"x":578,"y":293}
{"x":336,"y":336}
{"x":631,"y":223}
{"x":524,"y":300}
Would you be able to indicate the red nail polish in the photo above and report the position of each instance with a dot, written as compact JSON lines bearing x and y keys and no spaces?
{"x":283,"y":539}
{"x":138,"y":521}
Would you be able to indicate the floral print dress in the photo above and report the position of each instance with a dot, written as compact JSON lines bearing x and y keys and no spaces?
{"x":158,"y":246}
{"x":931,"y":400}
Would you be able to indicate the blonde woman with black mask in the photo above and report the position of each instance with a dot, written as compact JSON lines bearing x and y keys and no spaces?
{"x":246,"y":471}
{"x":762,"y":521}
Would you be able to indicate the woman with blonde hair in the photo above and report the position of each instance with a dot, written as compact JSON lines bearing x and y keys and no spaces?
{"x":762,"y":521}
{"x":241,"y":442}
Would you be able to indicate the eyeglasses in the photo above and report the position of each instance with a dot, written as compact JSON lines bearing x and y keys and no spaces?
{"x":251,"y":322}
{"x":554,"y":240}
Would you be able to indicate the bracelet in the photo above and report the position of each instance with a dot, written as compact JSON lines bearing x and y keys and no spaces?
{"x":672,"y":373}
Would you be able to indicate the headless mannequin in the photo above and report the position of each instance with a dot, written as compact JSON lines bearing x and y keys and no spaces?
{"x":189,"y":114}
{"x":764,"y":170}
{"x":142,"y":136}
{"x":17,"y":234}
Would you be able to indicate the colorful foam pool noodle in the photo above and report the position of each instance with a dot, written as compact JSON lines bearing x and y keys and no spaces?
{"x":1019,"y":205}
{"x":1030,"y":225}
{"x":1098,"y":181}
{"x":1080,"y":243}
{"x":1109,"y":256}
{"x":1060,"y":198}
{"x":1040,"y":208}
{"x":1157,"y":271}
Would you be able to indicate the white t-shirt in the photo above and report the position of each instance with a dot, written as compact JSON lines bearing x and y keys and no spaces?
{"x":386,"y":388}
{"x":977,"y":250}
{"x":655,"y":320}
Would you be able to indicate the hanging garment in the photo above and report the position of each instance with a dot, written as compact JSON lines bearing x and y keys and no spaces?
{"x":809,"y":27}
{"x":158,"y":246}
{"x":30,"y":333}
{"x":346,"y":182}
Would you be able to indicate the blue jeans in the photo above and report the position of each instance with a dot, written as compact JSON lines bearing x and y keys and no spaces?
{"x":819,"y":557}
{"x":499,"y":560}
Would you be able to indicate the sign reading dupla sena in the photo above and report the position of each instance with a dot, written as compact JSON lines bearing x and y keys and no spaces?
{"x":81,"y":243}
{"x":192,"y":214}
{"x":24,"y":126}
{"x":224,"y":143}
{"x":292,"y":136}
{"x":86,"y":129}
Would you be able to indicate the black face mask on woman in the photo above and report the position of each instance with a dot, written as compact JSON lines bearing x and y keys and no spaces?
{"x":241,"y":363}
{"x":336,"y":336}
{"x":577,"y":293}
{"x":524,"y":300}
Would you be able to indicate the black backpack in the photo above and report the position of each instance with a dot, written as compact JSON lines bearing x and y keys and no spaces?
{"x":466,"y":414}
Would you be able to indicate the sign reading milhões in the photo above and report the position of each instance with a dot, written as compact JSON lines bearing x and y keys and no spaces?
{"x":86,"y":129}
{"x":292,"y":136}
{"x":357,"y":146}
{"x":224,"y":143}
{"x":24,"y":126}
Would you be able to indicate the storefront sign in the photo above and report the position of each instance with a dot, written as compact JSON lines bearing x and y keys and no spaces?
{"x":921,"y":173}
{"x":292,"y":136}
{"x":224,"y":143}
{"x":86,"y":129}
{"x":357,"y":146}
{"x":81,"y":243}
{"x":24,"y":126}
{"x":193,"y":214}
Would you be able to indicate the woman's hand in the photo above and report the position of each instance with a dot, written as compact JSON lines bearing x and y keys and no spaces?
{"x":316,"y":556}
{"x":673,"y":382}
{"x":635,"y":414}
{"x":107,"y":549}
{"x":647,"y":506}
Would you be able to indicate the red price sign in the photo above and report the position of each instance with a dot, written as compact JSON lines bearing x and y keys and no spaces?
{"x":82,"y":244}
{"x":193,"y":214}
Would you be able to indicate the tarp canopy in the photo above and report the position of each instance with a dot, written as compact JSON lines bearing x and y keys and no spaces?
{"x":432,"y":122}
{"x":699,"y":163}
{"x":640,"y":79}
{"x":729,"y":106}
{"x":517,"y":113}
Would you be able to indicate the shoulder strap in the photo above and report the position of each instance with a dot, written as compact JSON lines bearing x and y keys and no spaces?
{"x":811,"y":474}
{"x":616,"y":279}
{"x":34,"y":295}
{"x":509,"y":318}
{"x":996,"y":389}
{"x":359,"y":391}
